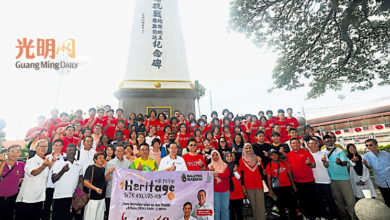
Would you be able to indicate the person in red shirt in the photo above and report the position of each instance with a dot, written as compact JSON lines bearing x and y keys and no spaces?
{"x":53,"y":121}
{"x":212,"y":139}
{"x":283,"y":133}
{"x":193,"y":160}
{"x":227,"y":135}
{"x":106,"y":109}
{"x":199,"y":140}
{"x":221,"y":175}
{"x":236,"y":193}
{"x":192,"y":126}
{"x":36,"y":133}
{"x":103,"y":143}
{"x":119,"y":116}
{"x":100,"y":120}
{"x":182,"y":119}
{"x":270,"y":118}
{"x":291,"y":120}
{"x":280,"y":170}
{"x":153,"y":121}
{"x":110,"y":123}
{"x":182,"y":136}
{"x":58,"y":128}
{"x":252,"y":183}
{"x":162,"y":122}
{"x":122,"y":127}
{"x":301,"y":163}
{"x":202,"y":126}
{"x":91,"y":121}
{"x":68,"y":139}
{"x":78,"y":117}
{"x":216,"y":131}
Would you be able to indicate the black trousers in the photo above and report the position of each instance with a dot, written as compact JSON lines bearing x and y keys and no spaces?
{"x":107,"y":213}
{"x":306,"y":195}
{"x":385,"y":194}
{"x":325,"y":205}
{"x":61,"y":209}
{"x":286,"y":200}
{"x":7,"y":207}
{"x":47,"y":204}
{"x":30,"y":211}
{"x":235,"y":207}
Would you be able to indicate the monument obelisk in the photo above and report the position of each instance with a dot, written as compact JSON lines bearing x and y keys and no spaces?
{"x":157,"y":74}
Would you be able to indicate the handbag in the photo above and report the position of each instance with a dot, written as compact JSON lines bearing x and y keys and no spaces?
{"x":275,"y":184}
{"x":246,"y":207}
{"x":80,"y":198}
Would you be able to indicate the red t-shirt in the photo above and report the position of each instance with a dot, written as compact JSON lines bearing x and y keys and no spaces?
{"x":67,"y":141}
{"x":183,"y":140}
{"x":272,"y":169}
{"x":252,"y":180}
{"x":151,"y":122}
{"x":59,"y":125}
{"x":111,"y":128}
{"x":38,"y":129}
{"x":126,"y":134}
{"x":237,"y":193}
{"x":222,"y":186}
{"x":199,"y":144}
{"x":51,"y":124}
{"x":293,"y":122}
{"x":302,"y":172}
{"x":192,"y":162}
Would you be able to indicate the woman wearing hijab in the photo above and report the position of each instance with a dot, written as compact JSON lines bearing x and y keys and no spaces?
{"x":359,"y":175}
{"x":236,"y":194}
{"x":221,"y":186}
{"x":252,"y":183}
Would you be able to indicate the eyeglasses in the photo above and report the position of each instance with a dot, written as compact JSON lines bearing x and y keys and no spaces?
{"x":15,"y":152}
{"x":192,"y":145}
{"x":144,"y":150}
{"x":369,"y":145}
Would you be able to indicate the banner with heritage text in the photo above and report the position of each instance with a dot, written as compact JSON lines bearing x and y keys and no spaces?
{"x":161,"y":195}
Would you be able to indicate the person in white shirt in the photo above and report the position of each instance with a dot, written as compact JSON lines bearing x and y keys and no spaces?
{"x":67,"y":174}
{"x":172,"y":162}
{"x":32,"y":192}
{"x":118,"y":161}
{"x":57,"y":155}
{"x":86,"y":154}
{"x":187,"y":208}
{"x":152,"y":135}
{"x":325,"y":206}
{"x":202,"y":205}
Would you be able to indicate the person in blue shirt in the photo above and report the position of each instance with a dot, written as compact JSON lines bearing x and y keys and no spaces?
{"x":379,"y":161}
{"x":340,"y":183}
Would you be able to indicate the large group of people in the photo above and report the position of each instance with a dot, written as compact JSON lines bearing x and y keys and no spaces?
{"x":260,"y":157}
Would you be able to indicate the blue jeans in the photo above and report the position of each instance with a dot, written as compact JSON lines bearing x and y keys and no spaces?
{"x":221,"y":205}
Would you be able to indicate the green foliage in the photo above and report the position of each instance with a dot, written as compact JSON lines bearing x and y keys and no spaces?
{"x":324,"y":44}
{"x":384,"y":147}
{"x":200,"y":89}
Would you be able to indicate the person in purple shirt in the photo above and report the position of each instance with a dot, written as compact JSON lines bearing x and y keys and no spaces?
{"x":11,"y":175}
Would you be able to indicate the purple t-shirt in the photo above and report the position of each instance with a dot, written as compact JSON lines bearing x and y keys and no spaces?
{"x":9,"y":185}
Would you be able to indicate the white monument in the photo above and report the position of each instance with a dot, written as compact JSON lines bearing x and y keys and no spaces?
{"x":157,"y":75}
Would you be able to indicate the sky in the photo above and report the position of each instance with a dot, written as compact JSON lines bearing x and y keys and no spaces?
{"x":235,"y":72}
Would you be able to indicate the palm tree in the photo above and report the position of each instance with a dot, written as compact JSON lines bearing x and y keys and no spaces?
{"x":201,"y":92}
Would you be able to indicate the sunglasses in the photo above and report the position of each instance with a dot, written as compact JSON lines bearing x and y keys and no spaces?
{"x":369,"y":145}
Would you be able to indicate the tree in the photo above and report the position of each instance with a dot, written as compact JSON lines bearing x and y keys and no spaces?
{"x":201,"y":91}
{"x":325,"y":44}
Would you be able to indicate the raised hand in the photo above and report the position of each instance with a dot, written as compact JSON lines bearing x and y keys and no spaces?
{"x":66,"y":168}
{"x":140,"y":167}
{"x":323,"y":158}
{"x":308,"y":162}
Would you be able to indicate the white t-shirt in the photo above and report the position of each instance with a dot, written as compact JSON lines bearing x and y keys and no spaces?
{"x":33,"y":188}
{"x":50,"y":183}
{"x":149,"y":140}
{"x":65,"y":186}
{"x":198,"y":207}
{"x":86,"y":158}
{"x":167,"y":162}
{"x":320,"y":172}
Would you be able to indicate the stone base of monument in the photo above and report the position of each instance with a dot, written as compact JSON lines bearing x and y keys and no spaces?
{"x":372,"y":209}
{"x":143,"y":100}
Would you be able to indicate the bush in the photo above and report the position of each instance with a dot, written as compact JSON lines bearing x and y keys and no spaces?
{"x":384,"y":147}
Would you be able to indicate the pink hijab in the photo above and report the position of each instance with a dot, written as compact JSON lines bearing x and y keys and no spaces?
{"x":219,"y":166}
{"x":250,"y":159}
